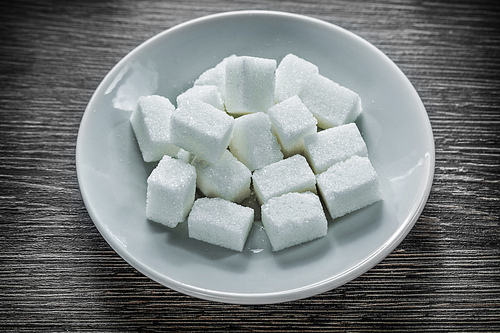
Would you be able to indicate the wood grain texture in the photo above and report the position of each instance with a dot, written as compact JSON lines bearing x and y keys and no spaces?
{"x":58,"y":274}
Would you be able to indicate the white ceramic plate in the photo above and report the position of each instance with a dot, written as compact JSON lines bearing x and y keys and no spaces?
{"x":112,"y":175}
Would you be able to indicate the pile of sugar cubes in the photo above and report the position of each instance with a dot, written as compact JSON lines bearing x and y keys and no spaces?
{"x":249,"y":126}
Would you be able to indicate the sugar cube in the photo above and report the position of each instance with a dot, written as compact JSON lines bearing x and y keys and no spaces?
{"x":253,"y":142}
{"x":293,"y":218}
{"x":184,"y":155}
{"x":227,"y":179}
{"x":207,"y":94}
{"x":291,"y":121}
{"x":291,"y":75}
{"x":201,"y":129}
{"x":220,"y":222}
{"x":215,"y":76}
{"x":331,"y":103}
{"x":150,"y":122}
{"x":349,"y":185}
{"x":333,"y":145}
{"x":289,"y":175}
{"x":170,"y":191}
{"x":250,"y":83}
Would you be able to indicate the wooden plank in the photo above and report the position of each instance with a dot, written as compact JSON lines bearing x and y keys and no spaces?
{"x":57,"y":272}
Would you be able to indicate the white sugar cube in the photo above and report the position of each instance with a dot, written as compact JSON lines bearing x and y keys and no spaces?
{"x":253,"y":142}
{"x":207,"y":94}
{"x":170,"y":192}
{"x":215,"y":76}
{"x":201,"y":129}
{"x":331,"y":103}
{"x":150,"y":122}
{"x":291,"y":75}
{"x":249,"y":84}
{"x":293,"y":218}
{"x":184,"y":155}
{"x":336,"y":144}
{"x":348,"y":186}
{"x":220,"y":222}
{"x":289,"y":175}
{"x":292,"y":121}
{"x":227,"y":179}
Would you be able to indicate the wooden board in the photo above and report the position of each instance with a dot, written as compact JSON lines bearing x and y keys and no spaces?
{"x":58,"y":274}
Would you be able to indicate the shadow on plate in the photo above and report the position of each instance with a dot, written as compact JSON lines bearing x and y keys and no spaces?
{"x":301,"y":254}
{"x":178,"y":238}
{"x":357,"y":224}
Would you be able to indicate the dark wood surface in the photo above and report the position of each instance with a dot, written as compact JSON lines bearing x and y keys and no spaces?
{"x":58,"y":274}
